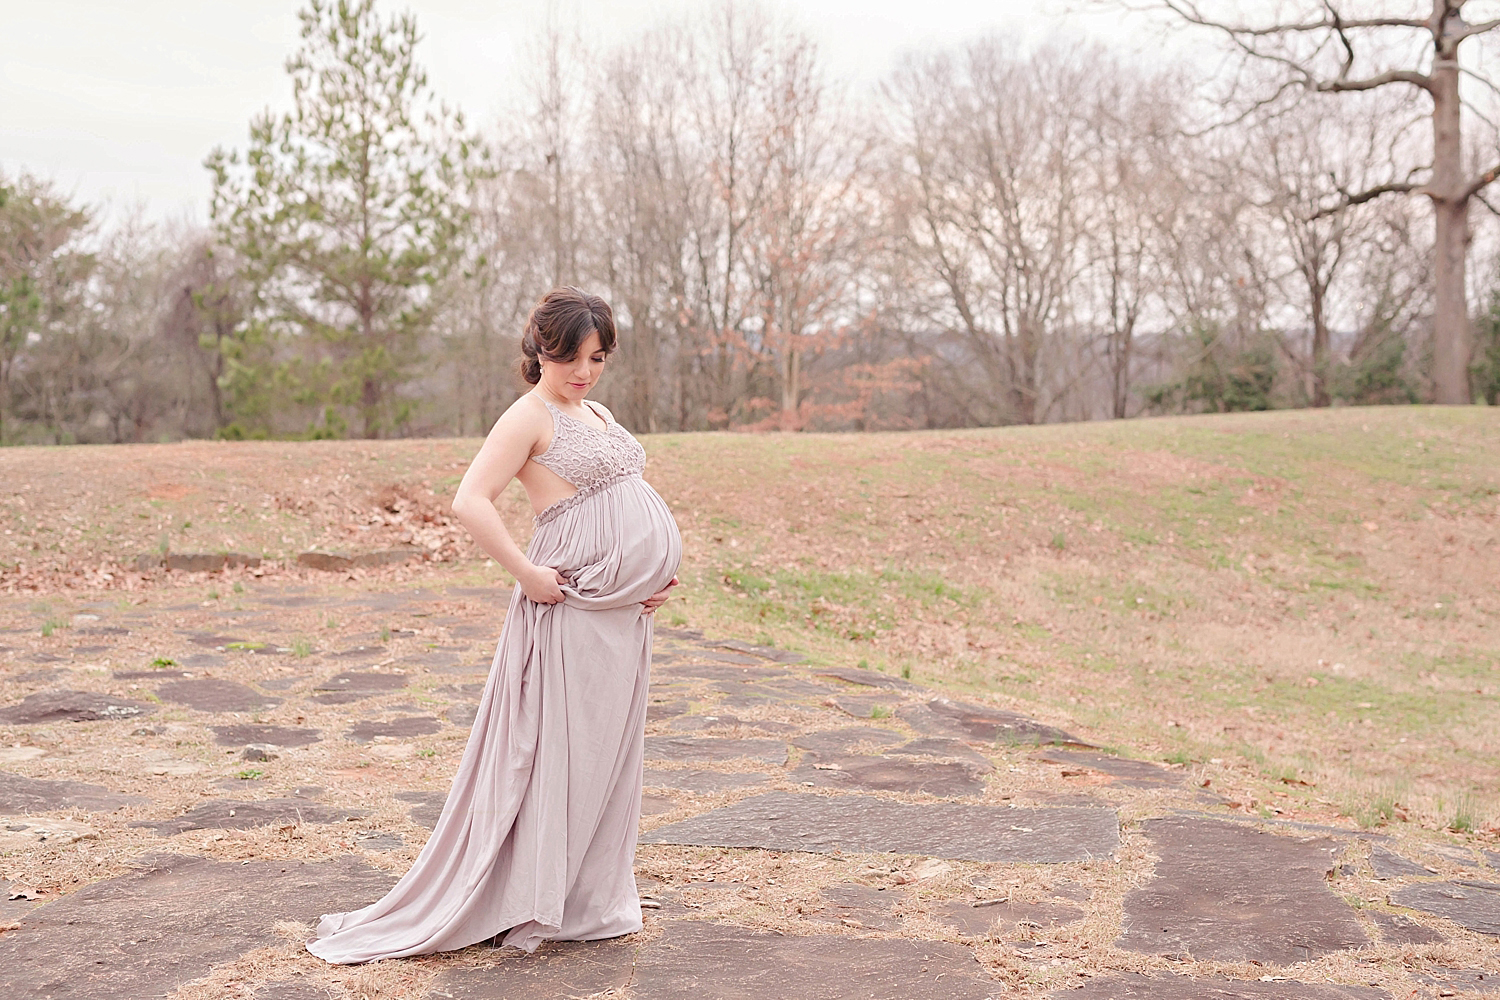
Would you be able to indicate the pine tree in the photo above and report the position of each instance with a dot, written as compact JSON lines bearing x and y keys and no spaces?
{"x":347,"y":212}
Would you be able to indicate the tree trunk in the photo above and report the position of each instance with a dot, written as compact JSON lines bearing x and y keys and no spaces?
{"x":1450,"y":204}
{"x":791,"y":389}
{"x":1320,"y":338}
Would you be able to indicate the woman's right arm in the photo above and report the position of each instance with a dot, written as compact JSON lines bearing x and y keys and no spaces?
{"x":505,"y":450}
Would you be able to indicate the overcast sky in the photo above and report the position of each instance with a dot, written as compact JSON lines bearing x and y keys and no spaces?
{"x":118,"y":101}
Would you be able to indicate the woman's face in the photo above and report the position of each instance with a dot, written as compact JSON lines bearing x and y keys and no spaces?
{"x":572,"y":380}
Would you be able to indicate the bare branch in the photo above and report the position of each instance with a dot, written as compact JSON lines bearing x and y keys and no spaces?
{"x":1338,"y":27}
{"x":1479,"y":29}
{"x":1370,"y":83}
{"x":1350,"y":200}
{"x":1247,"y":113}
{"x":1482,"y":181}
{"x":1479,"y":197}
{"x":1188,"y":11}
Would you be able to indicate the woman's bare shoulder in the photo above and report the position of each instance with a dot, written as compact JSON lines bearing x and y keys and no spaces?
{"x":527,"y":411}
{"x":526,"y":420}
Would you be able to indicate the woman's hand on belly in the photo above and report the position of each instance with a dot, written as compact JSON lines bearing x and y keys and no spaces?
{"x":659,"y":598}
{"x":542,"y":584}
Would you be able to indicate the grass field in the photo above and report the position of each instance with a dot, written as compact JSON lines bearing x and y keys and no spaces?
{"x":1302,"y":605}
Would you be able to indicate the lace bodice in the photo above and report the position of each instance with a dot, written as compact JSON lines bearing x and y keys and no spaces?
{"x":587,"y":457}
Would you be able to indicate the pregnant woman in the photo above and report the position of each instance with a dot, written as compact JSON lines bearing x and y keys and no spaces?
{"x":537,"y":838}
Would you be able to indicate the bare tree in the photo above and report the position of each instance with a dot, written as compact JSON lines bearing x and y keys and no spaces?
{"x":1316,"y":48}
{"x":992,"y":146}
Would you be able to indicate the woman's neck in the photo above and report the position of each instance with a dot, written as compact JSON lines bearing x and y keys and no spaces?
{"x":559,"y":401}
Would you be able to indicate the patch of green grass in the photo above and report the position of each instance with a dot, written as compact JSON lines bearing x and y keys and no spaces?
{"x":53,"y":624}
{"x":880,"y":712}
{"x":1179,"y":757}
{"x":385,"y":635}
{"x":163,"y":661}
{"x":244,"y":647}
{"x":213,"y":595}
{"x":427,"y":752}
{"x":301,"y":647}
{"x":1376,"y":807}
{"x":250,"y":774}
{"x":1463,"y":818}
{"x":239,"y":588}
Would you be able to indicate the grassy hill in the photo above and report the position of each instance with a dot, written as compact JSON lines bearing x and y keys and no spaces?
{"x":1301,"y":605}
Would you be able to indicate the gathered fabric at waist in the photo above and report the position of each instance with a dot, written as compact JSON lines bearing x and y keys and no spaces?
{"x":568,"y":503}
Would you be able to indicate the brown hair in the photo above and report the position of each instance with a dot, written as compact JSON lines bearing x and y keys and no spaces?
{"x":558,"y":324}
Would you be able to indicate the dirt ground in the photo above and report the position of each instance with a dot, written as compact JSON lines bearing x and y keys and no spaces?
{"x":1298,"y":611}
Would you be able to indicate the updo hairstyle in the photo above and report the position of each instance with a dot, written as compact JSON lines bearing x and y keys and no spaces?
{"x":558,"y":324}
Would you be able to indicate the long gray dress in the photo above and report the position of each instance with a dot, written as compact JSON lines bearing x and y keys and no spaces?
{"x":538,"y":835}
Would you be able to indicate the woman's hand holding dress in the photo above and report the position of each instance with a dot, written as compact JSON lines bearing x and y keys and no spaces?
{"x":542,"y":584}
{"x":659,"y":598}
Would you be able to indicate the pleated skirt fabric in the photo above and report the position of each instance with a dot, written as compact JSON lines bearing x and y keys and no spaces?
{"x":537,"y":837}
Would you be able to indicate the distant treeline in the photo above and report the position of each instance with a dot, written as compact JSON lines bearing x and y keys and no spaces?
{"x":994,"y":235}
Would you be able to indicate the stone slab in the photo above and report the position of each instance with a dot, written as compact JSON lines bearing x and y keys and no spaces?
{"x":1232,"y":893}
{"x":1397,"y":928}
{"x":18,"y":833}
{"x":358,"y":653}
{"x":1130,"y":773}
{"x":13,"y":909}
{"x":764,"y":652}
{"x":694,"y":960}
{"x":791,"y":821}
{"x":210,"y":694}
{"x":1475,"y":905}
{"x":721,"y":672}
{"x":840,"y":740}
{"x":1449,"y":980}
{"x":20,"y":795}
{"x":799,"y":688}
{"x":860,"y":906}
{"x":702,"y":781}
{"x":695,"y":723}
{"x":942,"y":717}
{"x":71,"y":706}
{"x":660,"y":711}
{"x":1173,"y":987}
{"x":867,"y":678}
{"x":281,"y":736}
{"x":403,"y":728}
{"x":710,"y":748}
{"x":710,"y":654}
{"x":236,"y":814}
{"x":655,"y":805}
{"x":868,"y":706}
{"x":426,"y":806}
{"x":749,"y":696}
{"x":886,"y":773}
{"x":145,"y":933}
{"x":1388,"y":864}
{"x":366,"y":682}
{"x":556,"y":969}
{"x":463,"y":714}
{"x":943,"y":746}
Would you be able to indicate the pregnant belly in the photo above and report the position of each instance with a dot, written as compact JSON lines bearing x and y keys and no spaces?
{"x":618,"y":547}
